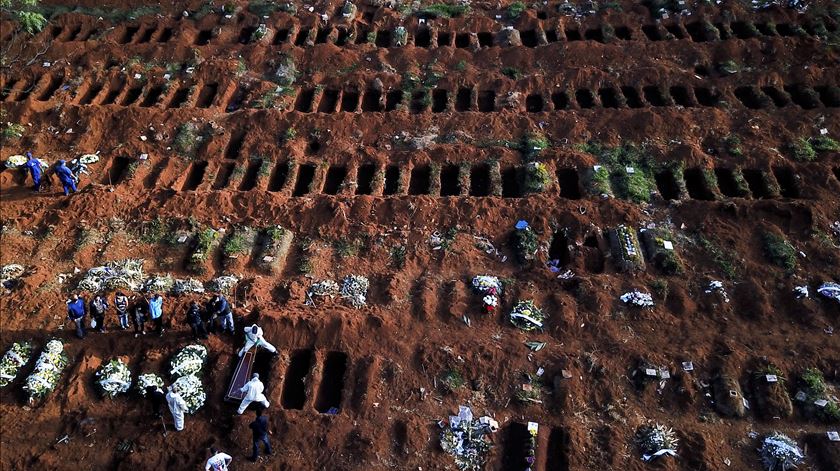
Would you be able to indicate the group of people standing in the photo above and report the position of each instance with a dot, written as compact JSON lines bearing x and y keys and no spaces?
{"x":138,"y":310}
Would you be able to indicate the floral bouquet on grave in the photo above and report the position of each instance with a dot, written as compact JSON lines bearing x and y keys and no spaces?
{"x":188,"y":361}
{"x":192,"y":391}
{"x":526,"y":316}
{"x":146,"y":380}
{"x":113,"y":378}
{"x":44,"y":378}
{"x":13,"y":360}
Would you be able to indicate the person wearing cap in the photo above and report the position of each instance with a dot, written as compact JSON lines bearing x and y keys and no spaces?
{"x":65,"y":176}
{"x":254,"y":337}
{"x":253,"y":391}
{"x":177,"y":406}
{"x":34,"y":166}
{"x":76,"y":313}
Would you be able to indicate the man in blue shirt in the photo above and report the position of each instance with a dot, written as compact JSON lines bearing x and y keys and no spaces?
{"x":156,"y":312}
{"x":76,"y":313}
{"x":259,"y":427}
{"x":65,"y":176}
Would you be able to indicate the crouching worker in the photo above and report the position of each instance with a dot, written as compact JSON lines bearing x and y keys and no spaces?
{"x":65,"y":176}
{"x":195,"y":322}
{"x":219,"y":461}
{"x":253,"y":391}
{"x":177,"y":406}
{"x":254,"y":338}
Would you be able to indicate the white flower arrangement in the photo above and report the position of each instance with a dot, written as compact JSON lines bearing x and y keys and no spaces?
{"x":223,"y":284}
{"x":655,"y":441}
{"x":119,"y":274}
{"x":146,"y":380}
{"x":192,"y":391}
{"x":188,"y":361}
{"x":13,"y":360}
{"x":637,"y":298}
{"x":486,"y":284}
{"x":159,"y":284}
{"x":527,"y":316}
{"x":189,"y":285}
{"x":47,"y":372}
{"x":780,"y":452}
{"x":354,"y":288}
{"x":113,"y":378}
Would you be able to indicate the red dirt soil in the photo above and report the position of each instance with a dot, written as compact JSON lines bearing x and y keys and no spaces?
{"x":412,"y":330}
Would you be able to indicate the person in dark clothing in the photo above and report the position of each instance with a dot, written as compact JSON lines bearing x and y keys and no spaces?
{"x":195,"y":321}
{"x":259,"y":428}
{"x":222,"y":311}
{"x":98,"y":308}
{"x":121,"y":305}
{"x":139,"y":317}
{"x":76,"y":313}
{"x":157,"y":398}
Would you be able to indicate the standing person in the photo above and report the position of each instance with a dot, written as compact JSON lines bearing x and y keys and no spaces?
{"x":98,"y":309}
{"x":219,"y":461}
{"x":195,"y":322}
{"x":34,"y":166}
{"x":76,"y":313}
{"x":157,"y":398}
{"x":65,"y":176}
{"x":254,"y":337}
{"x":259,"y":427}
{"x":177,"y":406}
{"x":77,"y":168}
{"x":139,"y":318}
{"x":121,"y":306}
{"x":208,"y":316}
{"x":253,"y":393}
{"x":221,"y":308}
{"x":156,"y":312}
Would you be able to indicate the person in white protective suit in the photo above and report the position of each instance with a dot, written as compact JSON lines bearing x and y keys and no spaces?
{"x":177,"y":406}
{"x":253,"y":393}
{"x":254,"y":337}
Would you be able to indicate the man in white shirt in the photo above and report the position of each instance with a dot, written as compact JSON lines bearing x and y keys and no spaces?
{"x":177,"y":406}
{"x":253,"y":393}
{"x":254,"y":337}
{"x":219,"y":461}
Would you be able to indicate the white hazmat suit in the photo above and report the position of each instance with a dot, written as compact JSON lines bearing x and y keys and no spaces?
{"x":177,"y":406}
{"x":255,"y":338}
{"x":253,"y":393}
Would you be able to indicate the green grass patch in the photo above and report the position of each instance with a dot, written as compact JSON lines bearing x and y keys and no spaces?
{"x":725,"y":259}
{"x":444,"y":10}
{"x":801,"y":150}
{"x":779,"y":251}
{"x":613,"y":175}
{"x":824,"y":144}
{"x":234,"y":245}
{"x":516,"y":9}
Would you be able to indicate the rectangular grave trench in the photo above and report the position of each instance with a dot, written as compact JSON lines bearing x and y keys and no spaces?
{"x":655,"y":96}
{"x":624,"y":33}
{"x":830,"y":96}
{"x":743,"y":29}
{"x":569,"y":183}
{"x":788,"y":186}
{"x":195,"y":175}
{"x":305,"y":176}
{"x":245,"y":34}
{"x":632,"y":97}
{"x":128,"y":34}
{"x":551,"y":35}
{"x":440,"y":98}
{"x":706,"y":96}
{"x":462,"y":40}
{"x":332,"y":383}
{"x":449,"y":184}
{"x":779,"y":97}
{"x":281,"y":37}
{"x":393,"y":100}
{"x":113,"y":92}
{"x":585,"y":98}
{"x":154,"y":175}
{"x":370,"y":101}
{"x":510,"y":183}
{"x":235,"y":145}
{"x":486,"y":101}
{"x":6,"y":90}
{"x":837,"y":173}
{"x":279,"y":177}
{"x":666,"y":183}
{"x":329,"y":100}
{"x":419,"y":101}
{"x":560,"y":100}
{"x":423,"y":38}
{"x":179,"y":97}
{"x":444,"y":39}
{"x":652,"y":32}
{"x":682,"y":96}
{"x":207,"y":94}
{"x":480,"y":180}
{"x":252,"y":174}
{"x":364,"y":179}
{"x":90,"y":94}
{"x":515,"y":440}
{"x":534,"y":103}
{"x":302,"y":36}
{"x":420,"y":182}
{"x":559,"y":248}
{"x":350,"y":101}
{"x":237,"y":99}
{"x":751,"y":97}
{"x":609,"y":98}
{"x":755,"y":180}
{"x":294,"y":384}
{"x":117,"y":172}
{"x":801,"y":96}
{"x":463,"y":100}
{"x":594,"y":34}
{"x":675,"y":30}
{"x":152,"y":96}
{"x":727,"y":184}
{"x":392,"y":180}
{"x":165,"y":35}
{"x":485,"y":39}
{"x":303,"y":101}
{"x":203,"y":38}
{"x":695,"y":183}
{"x":335,"y":178}
{"x":53,"y":84}
{"x":147,"y":34}
{"x":572,"y":35}
{"x":223,"y":175}
{"x":559,"y":449}
{"x":383,"y":38}
{"x":132,"y":95}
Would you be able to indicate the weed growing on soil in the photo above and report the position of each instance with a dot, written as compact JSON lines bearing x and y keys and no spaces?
{"x":769,"y":369}
{"x":398,"y":256}
{"x":234,"y":245}
{"x":448,"y":238}
{"x":723,"y":258}
{"x":187,"y":140}
{"x":536,"y":177}
{"x":801,"y":150}
{"x":525,"y":244}
{"x":637,"y":185}
{"x":156,"y":231}
{"x":461,"y":65}
{"x":451,"y":380}
{"x":511,"y":73}
{"x":779,"y":251}
{"x":533,"y":144}
{"x":289,"y":135}
{"x":444,"y":10}
{"x":204,"y":240}
{"x":515,"y":9}
{"x":25,"y":13}
{"x":530,"y":391}
{"x":733,"y":145}
{"x":824,"y":144}
{"x":659,"y":288}
{"x":814,"y":381}
{"x":12,"y":131}
{"x":729,"y":67}
{"x":346,"y":248}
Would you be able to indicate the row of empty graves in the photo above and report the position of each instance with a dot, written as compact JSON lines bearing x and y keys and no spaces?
{"x":426,"y":37}
{"x":303,"y":377}
{"x":477,"y":180}
{"x":123,"y":91}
